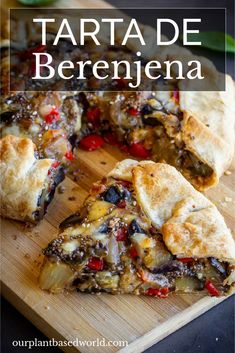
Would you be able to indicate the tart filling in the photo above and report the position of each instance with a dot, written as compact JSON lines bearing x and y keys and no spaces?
{"x":150,"y":127}
{"x":54,"y":178}
{"x":111,"y":246}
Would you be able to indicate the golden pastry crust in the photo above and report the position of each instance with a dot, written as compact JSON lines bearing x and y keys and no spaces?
{"x":212,"y":113}
{"x":191,"y":224}
{"x":22,"y":177}
{"x":209,"y":118}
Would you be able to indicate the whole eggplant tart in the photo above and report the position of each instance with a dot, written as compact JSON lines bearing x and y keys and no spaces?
{"x":27,"y":183}
{"x":144,"y":230}
{"x":191,"y":130}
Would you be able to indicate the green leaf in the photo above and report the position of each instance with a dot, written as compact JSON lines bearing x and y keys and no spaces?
{"x":36,"y":2}
{"x":214,"y":40}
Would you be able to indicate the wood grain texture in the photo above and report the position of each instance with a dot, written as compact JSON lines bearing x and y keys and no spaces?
{"x":141,"y":321}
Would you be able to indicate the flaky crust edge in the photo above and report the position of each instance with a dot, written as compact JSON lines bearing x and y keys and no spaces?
{"x":191,"y":224}
{"x":22,"y":177}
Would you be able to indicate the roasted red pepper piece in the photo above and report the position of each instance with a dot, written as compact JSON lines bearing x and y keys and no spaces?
{"x":211,"y":289}
{"x":91,"y":142}
{"x":133,"y":252}
{"x":121,"y":204}
{"x":96,"y":264}
{"x":112,"y":139}
{"x":138,"y":150}
{"x":158,"y":292}
{"x":93,"y":116}
{"x":176,"y":95}
{"x":121,"y":83}
{"x":185,"y":259}
{"x":121,"y":234}
{"x":53,"y":166}
{"x":124,"y":148}
{"x":69,"y":155}
{"x":28,"y":54}
{"x":125,"y":183}
{"x":53,"y":116}
{"x":133,"y":112}
{"x":152,"y":230}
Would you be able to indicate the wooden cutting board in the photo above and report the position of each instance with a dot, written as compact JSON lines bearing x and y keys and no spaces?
{"x":141,"y":321}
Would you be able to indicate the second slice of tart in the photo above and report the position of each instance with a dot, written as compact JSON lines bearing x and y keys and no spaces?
{"x":142,"y":230}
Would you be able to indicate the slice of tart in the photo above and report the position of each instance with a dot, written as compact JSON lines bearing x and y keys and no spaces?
{"x":49,"y":119}
{"x":27,"y":183}
{"x":142,"y":230}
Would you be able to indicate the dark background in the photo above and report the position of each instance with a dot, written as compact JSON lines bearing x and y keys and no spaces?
{"x":212,"y":332}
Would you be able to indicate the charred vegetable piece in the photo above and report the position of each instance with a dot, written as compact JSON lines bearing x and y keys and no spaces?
{"x":56,"y":175}
{"x":147,"y":109}
{"x":112,"y":195}
{"x":115,"y":195}
{"x":151,"y":121}
{"x":218,"y":266}
{"x":71,"y":220}
{"x":171,"y":267}
{"x":103,"y":228}
{"x":134,"y":227}
{"x":7,"y":117}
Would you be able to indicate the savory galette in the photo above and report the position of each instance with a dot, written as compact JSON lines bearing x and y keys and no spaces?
{"x":143,"y":229}
{"x":193,"y":131}
{"x":27,"y":183}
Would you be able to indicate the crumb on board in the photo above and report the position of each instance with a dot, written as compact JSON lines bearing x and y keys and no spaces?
{"x":27,"y":256}
{"x":47,"y":307}
{"x":71,"y":198}
{"x":103,"y":162}
{"x":227,"y":172}
{"x":228,"y":199}
{"x":61,"y":189}
{"x":14,"y":236}
{"x":76,"y":178}
{"x":223,"y":204}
